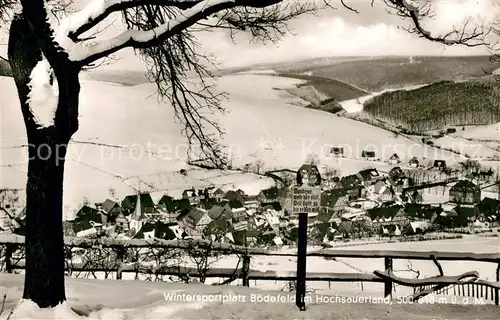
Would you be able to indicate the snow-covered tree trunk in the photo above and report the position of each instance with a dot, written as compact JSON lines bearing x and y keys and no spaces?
{"x":49,"y":106}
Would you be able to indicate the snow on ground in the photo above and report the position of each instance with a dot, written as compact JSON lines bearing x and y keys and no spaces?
{"x":125,"y":132}
{"x":129,"y":299}
{"x":158,"y":300}
{"x":356,"y":105}
{"x":472,"y":149}
{"x":489,"y":132}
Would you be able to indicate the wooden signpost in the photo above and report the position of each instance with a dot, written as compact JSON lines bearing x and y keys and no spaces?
{"x":305,"y":200}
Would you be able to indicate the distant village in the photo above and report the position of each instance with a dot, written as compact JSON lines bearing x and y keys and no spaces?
{"x":369,"y":203}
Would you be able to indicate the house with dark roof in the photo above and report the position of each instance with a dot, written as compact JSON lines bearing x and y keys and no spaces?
{"x":158,"y":230}
{"x":337,"y":152}
{"x":269,"y":195}
{"x":396,"y":175}
{"x":353,"y":185}
{"x":220,"y":212}
{"x":465,"y":192}
{"x":147,"y":204}
{"x":414,"y":162}
{"x":422,"y":212}
{"x":488,"y":210}
{"x":334,"y":202}
{"x":122,"y":224}
{"x":191,"y":195}
{"x":234,"y":198}
{"x":111,"y":209}
{"x":388,"y":214}
{"x":368,"y":155}
{"x":87,"y":220}
{"x":386,"y":193}
{"x":394,"y":159}
{"x":214,"y":193}
{"x":439,"y":164}
{"x":463,"y":215}
{"x":308,"y":174}
{"x":368,"y":176}
{"x":196,"y":221}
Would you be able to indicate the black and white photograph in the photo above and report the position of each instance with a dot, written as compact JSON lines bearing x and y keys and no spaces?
{"x":249,"y":159}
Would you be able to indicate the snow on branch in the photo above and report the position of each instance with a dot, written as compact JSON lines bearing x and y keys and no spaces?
{"x":98,"y":10}
{"x":43,"y":97}
{"x":469,"y":34}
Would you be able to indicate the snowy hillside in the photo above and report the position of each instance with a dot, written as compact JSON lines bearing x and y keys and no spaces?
{"x":488,"y":133}
{"x":125,"y":132}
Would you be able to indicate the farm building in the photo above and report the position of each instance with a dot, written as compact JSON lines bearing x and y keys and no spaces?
{"x":337,"y":152}
{"x":414,"y":162}
{"x":440,"y":164}
{"x":368,"y":155}
{"x":394,"y":159}
{"x":465,"y":192}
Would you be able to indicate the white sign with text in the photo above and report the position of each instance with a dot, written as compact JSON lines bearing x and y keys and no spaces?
{"x":306,"y":199}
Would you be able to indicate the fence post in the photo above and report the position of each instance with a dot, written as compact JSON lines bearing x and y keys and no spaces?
{"x":388,"y":283}
{"x":9,"y":251}
{"x":301,"y":262}
{"x":120,"y":254}
{"x":497,"y":291}
{"x":245,"y":271}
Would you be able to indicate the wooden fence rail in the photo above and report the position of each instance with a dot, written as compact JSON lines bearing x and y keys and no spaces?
{"x":467,"y":284}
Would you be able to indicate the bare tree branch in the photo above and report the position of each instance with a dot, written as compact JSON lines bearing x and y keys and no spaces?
{"x":463,"y":36}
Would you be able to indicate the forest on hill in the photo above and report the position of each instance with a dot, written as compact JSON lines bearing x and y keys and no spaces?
{"x":377,"y":74}
{"x":438,"y":105}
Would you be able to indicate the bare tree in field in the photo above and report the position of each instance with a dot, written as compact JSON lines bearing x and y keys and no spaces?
{"x":48,"y":47}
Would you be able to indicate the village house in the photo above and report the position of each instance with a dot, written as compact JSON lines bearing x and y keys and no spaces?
{"x":414,"y":163}
{"x":396,"y":175}
{"x":155,"y":230}
{"x":220,"y":212}
{"x":196,"y":221}
{"x":465,"y":192}
{"x":386,"y":193}
{"x":239,"y":219}
{"x":439,"y":164}
{"x":111,"y":209}
{"x":368,"y":155}
{"x":308,"y":174}
{"x":269,"y":195}
{"x":172,"y":208}
{"x":214,"y":193}
{"x":337,"y":152}
{"x":334,"y":202}
{"x":130,"y":201}
{"x":368,"y":176}
{"x":394,"y":159}
{"x":85,"y":220}
{"x":462,"y":215}
{"x":488,"y":210}
{"x":191,"y":195}
{"x":422,"y":212}
{"x":388,"y":214}
{"x":122,"y":224}
{"x":353,"y":185}
{"x":234,"y":198}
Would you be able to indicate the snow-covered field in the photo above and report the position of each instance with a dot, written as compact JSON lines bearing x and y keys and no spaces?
{"x":126,"y":135}
{"x":490,"y":132}
{"x":128,"y":299}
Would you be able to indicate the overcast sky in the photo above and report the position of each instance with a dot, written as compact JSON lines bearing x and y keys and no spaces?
{"x":340,"y":32}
